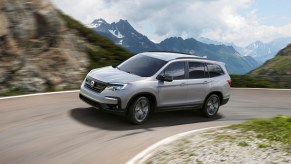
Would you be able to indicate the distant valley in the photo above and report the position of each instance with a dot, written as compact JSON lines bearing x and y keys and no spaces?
{"x":260,"y":51}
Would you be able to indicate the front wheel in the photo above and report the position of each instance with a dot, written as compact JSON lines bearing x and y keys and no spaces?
{"x":211,"y":106}
{"x":139,"y":110}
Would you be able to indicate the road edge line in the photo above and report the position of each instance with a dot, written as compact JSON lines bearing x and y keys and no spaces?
{"x":38,"y":94}
{"x":278,"y":89}
{"x":145,"y":154}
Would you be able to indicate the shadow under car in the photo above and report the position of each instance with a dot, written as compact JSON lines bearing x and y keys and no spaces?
{"x":97,"y":118}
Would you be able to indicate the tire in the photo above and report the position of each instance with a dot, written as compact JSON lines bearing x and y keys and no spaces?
{"x":139,"y":110}
{"x":211,"y":106}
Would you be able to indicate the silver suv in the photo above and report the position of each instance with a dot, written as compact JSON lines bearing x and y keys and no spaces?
{"x":157,"y":81}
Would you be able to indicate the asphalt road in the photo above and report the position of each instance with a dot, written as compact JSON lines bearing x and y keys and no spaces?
{"x":60,"y":128}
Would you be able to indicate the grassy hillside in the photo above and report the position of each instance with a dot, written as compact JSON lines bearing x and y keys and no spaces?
{"x":247,"y":81}
{"x":102,"y":52}
{"x":277,"y":69}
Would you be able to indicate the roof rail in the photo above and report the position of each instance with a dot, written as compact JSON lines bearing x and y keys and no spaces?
{"x":190,"y":56}
{"x":173,"y":52}
{"x":193,"y":57}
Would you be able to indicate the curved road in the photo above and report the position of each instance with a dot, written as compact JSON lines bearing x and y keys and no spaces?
{"x":59,"y":128}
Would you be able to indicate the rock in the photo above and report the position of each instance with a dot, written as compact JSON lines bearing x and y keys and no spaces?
{"x":37,"y":51}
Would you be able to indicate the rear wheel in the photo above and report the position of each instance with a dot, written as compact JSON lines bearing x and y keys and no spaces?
{"x":211,"y":106}
{"x":139,"y":110}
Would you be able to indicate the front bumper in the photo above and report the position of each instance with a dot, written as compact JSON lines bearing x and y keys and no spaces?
{"x":96,"y":96}
{"x":109,"y":104}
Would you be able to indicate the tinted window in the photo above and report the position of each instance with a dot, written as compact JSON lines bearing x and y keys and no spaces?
{"x":214,"y":70}
{"x":176,"y":70}
{"x":142,"y":65}
{"x":196,"y":70}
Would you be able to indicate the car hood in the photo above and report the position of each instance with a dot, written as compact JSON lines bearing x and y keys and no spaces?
{"x":113,"y":75}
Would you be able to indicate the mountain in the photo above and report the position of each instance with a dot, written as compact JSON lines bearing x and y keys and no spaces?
{"x":277,"y":69}
{"x":249,"y":59}
{"x":258,"y":50}
{"x":209,"y":41}
{"x":42,"y":49}
{"x":122,"y":33}
{"x":262,"y":52}
{"x":234,"y":63}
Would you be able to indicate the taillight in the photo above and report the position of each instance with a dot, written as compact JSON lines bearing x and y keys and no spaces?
{"x":229,"y":82}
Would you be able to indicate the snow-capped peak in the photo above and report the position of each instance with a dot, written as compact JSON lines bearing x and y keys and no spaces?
{"x":116,"y":33}
{"x":97,"y":22}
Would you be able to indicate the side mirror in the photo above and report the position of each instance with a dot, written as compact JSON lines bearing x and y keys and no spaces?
{"x":114,"y":65}
{"x":165,"y":78}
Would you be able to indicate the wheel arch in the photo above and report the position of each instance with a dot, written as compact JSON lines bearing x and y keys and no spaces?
{"x":150,"y":96}
{"x":218,"y":93}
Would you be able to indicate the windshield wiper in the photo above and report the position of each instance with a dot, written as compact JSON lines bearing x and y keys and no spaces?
{"x":123,"y":70}
{"x":128,"y":72}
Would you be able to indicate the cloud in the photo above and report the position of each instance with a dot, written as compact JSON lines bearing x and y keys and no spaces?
{"x":221,"y":20}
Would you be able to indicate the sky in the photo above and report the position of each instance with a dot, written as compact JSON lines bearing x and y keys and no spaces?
{"x":232,"y":21}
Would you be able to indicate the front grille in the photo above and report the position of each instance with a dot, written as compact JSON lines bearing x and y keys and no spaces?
{"x":113,"y":108}
{"x":95,"y":85}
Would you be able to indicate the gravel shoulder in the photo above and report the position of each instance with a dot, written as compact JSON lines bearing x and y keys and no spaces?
{"x":222,"y":145}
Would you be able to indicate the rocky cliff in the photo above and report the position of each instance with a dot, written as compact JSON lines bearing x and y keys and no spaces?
{"x":38,"y":49}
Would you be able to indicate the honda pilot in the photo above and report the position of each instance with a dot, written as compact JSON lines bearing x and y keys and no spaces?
{"x":158,"y":81}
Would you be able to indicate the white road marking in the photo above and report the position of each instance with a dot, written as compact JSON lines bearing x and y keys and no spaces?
{"x":145,"y":154}
{"x":37,"y":94}
{"x":262,"y":89}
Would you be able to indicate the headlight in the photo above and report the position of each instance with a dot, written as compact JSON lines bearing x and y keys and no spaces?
{"x":116,"y":87}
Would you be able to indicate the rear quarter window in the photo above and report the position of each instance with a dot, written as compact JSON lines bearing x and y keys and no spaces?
{"x":214,"y":70}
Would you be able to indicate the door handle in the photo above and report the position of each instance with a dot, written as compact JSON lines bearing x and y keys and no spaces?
{"x":182,"y":84}
{"x":205,"y":82}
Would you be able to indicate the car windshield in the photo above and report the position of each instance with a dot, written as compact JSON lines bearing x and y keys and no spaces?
{"x":142,"y":65}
